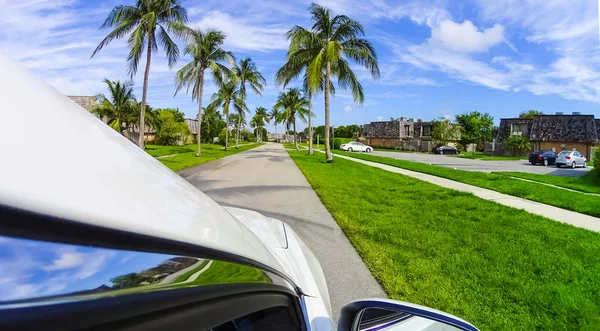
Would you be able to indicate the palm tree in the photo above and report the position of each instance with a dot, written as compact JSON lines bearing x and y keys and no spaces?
{"x":228,"y":96}
{"x":257,"y":124}
{"x":292,"y":104}
{"x":275,"y":116}
{"x":327,"y":47}
{"x":118,"y":108}
{"x":263,"y":116}
{"x":205,"y":49}
{"x":210,"y":117}
{"x":148,"y":24}
{"x":246,"y":72}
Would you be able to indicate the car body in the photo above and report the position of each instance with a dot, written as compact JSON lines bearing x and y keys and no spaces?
{"x":97,"y":234}
{"x":542,"y":157}
{"x":571,"y":159}
{"x":355,"y":146}
{"x":445,"y":150}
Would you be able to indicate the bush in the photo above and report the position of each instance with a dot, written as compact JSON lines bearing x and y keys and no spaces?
{"x":222,"y":138}
{"x":169,"y":129}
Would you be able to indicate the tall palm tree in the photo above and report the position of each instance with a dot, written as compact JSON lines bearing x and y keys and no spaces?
{"x":292,"y":104}
{"x":148,"y":24}
{"x":118,"y":107}
{"x":257,"y":123}
{"x":275,"y":116}
{"x":205,"y":49}
{"x":263,"y":116}
{"x":228,"y":96}
{"x":246,"y":72}
{"x":327,"y":47}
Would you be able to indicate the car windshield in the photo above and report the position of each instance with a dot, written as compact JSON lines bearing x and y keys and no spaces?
{"x":564,"y":153}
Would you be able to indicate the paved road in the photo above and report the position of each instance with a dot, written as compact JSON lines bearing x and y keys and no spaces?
{"x":265,"y":179}
{"x":483,"y":166}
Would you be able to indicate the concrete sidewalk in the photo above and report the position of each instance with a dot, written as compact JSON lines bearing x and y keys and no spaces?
{"x":551,"y":212}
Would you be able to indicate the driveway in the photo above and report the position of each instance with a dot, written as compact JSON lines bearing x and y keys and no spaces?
{"x":483,"y":166}
{"x":265,"y":179}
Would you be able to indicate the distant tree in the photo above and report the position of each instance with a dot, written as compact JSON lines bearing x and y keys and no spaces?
{"x":476,"y":128}
{"x":205,"y":50}
{"x":128,"y":280}
{"x":148,"y":25}
{"x":246,"y":72}
{"x":443,"y":131}
{"x":530,"y":113}
{"x":227,"y":96}
{"x":212,"y":124}
{"x":119,"y":107}
{"x":171,"y":127}
{"x":275,"y":116}
{"x":292,"y":104}
{"x":517,"y":143}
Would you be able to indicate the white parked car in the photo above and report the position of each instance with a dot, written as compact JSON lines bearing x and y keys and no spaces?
{"x":355,"y":146}
{"x":572,"y":159}
{"x":97,"y":234}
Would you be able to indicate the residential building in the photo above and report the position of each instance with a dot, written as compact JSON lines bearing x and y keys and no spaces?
{"x":555,"y":132}
{"x":84,"y":101}
{"x":395,"y":133}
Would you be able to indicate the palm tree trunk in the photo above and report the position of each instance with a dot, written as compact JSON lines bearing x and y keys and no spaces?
{"x":237,"y":135}
{"x":295,"y":134}
{"x":142,"y":124}
{"x":310,"y":147}
{"x":199,"y":117}
{"x":328,"y":155}
{"x":226,"y":111}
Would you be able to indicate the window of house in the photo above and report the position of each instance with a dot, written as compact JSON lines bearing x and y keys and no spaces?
{"x":407,"y":130}
{"x":519,"y":129}
{"x":426,"y":130}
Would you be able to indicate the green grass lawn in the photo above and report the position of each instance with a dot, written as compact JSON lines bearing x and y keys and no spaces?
{"x":186,"y":275}
{"x":585,"y":204}
{"x":498,"y":267}
{"x":484,"y":157}
{"x":589,"y":182}
{"x":186,"y":155}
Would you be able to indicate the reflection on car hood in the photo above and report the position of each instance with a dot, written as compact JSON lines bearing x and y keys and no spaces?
{"x":63,"y":161}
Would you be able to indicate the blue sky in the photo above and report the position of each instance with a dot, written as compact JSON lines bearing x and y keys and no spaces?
{"x":35,"y":268}
{"x":437,"y":58}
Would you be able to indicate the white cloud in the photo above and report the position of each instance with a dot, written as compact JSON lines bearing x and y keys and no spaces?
{"x":348,"y":109}
{"x":465,"y":37}
{"x":68,"y":260}
{"x":243,"y":34}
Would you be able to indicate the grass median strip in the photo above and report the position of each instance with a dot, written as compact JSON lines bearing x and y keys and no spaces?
{"x":585,"y":204}
{"x":186,"y":155}
{"x":497,"y":267}
{"x":485,"y":157}
{"x":589,"y":183}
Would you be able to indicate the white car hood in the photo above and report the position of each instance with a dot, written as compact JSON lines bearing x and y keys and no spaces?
{"x":60,"y":160}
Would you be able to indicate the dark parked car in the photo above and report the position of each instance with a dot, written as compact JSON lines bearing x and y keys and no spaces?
{"x":445,"y":150}
{"x":542,"y":157}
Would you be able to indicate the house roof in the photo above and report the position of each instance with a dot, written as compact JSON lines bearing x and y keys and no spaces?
{"x":84,"y":101}
{"x":580,"y":128}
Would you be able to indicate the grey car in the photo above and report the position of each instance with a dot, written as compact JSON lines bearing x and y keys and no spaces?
{"x":572,"y":159}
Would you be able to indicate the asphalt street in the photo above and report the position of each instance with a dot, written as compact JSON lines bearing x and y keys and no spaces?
{"x":266,"y":180}
{"x":483,"y":166}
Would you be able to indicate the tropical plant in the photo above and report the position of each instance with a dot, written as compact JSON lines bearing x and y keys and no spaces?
{"x":443,"y":131}
{"x":292,"y":104}
{"x":228,"y":95}
{"x":326,"y":48}
{"x":476,"y":128}
{"x":205,"y":49}
{"x":275,"y":116}
{"x":212,"y":124}
{"x":517,"y":143}
{"x":246,"y":72}
{"x":258,"y":122}
{"x":170,"y":127}
{"x":119,"y":107}
{"x":530,"y":113}
{"x":148,"y":25}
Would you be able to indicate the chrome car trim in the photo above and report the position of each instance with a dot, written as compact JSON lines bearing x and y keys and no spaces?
{"x":40,"y":272}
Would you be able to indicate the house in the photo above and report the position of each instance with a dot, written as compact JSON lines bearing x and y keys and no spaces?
{"x":555,"y":132}
{"x":401,"y":133}
{"x":276,"y":137}
{"x":84,"y":101}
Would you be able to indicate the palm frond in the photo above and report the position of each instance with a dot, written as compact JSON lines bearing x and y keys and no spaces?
{"x":170,"y":47}
{"x":347,"y":78}
{"x":124,"y":28}
{"x":137,"y":43}
{"x":121,"y":14}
